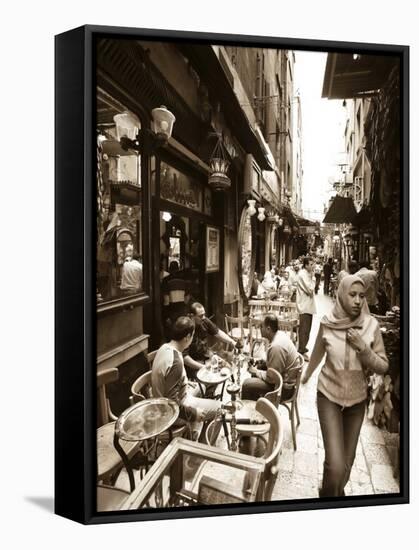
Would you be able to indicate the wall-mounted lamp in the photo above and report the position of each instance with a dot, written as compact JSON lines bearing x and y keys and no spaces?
{"x":144,"y":140}
{"x":261,"y":215}
{"x":167,"y":216}
{"x":251,"y":210}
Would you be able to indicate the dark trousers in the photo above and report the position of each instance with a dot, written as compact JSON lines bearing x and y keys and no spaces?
{"x":304,"y":331}
{"x":318,"y":277}
{"x":340,"y":430}
{"x":326,"y":284}
{"x":253,"y":388}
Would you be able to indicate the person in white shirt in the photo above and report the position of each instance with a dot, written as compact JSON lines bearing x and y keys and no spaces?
{"x":306,"y":306}
{"x":132,"y":275}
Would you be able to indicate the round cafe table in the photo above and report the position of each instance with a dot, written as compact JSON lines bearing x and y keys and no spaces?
{"x":144,"y":422}
{"x":207,"y":378}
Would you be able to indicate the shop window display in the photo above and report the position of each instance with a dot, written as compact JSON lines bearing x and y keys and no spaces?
{"x":119,"y":209}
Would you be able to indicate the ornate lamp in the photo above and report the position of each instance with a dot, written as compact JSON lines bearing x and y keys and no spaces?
{"x":144,"y":140}
{"x":261,"y":214}
{"x":251,"y":210}
{"x":219,"y":165}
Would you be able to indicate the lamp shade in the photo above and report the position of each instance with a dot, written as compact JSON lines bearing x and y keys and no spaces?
{"x":261,"y":214}
{"x":251,"y":209}
{"x":163,"y":121}
{"x":127,"y":125}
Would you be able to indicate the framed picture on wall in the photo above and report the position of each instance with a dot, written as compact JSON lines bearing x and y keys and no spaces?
{"x":142,"y":196}
{"x":212,"y":250}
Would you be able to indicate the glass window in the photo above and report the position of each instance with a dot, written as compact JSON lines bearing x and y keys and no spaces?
{"x":119,"y":208}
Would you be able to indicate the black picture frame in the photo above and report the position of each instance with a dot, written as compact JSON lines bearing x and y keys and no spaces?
{"x":75,"y":296}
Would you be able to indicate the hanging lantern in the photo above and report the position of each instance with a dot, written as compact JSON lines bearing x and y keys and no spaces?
{"x":251,"y":210}
{"x":219,"y":165}
{"x":261,"y":215}
{"x":163,"y":121}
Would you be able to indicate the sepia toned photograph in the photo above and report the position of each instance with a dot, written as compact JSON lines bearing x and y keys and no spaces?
{"x":248,"y":268}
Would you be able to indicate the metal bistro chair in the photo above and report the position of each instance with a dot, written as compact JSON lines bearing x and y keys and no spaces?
{"x":256,"y":342}
{"x":273,"y":446}
{"x":291,"y":403}
{"x":253,"y":432}
{"x":236,"y":327}
{"x":257,"y":432}
{"x":273,"y":450}
{"x":109,"y":462}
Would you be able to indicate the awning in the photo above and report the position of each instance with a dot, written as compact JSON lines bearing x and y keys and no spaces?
{"x":346,"y":77}
{"x":303,"y":222}
{"x":205,"y":61}
{"x":342,"y":210}
{"x":286,"y":212}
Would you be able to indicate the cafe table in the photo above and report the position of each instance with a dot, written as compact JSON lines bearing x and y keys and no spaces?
{"x":208,"y":377}
{"x":144,"y":422}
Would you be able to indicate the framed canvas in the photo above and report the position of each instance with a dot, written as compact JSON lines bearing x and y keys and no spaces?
{"x":159,"y":135}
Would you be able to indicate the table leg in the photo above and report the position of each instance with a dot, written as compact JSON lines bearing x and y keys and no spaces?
{"x":125,"y":461}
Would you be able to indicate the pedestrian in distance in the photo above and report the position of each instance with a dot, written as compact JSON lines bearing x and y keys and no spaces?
{"x":350,"y":340}
{"x":317,"y":274}
{"x":327,"y":272}
{"x":306,"y":306}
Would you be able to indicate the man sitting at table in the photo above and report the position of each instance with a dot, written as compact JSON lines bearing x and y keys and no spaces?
{"x":281,"y":355}
{"x":168,"y":376}
{"x":198,"y":351}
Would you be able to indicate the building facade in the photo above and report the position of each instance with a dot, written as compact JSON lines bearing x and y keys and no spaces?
{"x":170,"y":212}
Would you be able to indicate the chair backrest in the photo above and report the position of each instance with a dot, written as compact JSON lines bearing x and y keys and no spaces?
{"x":296,"y":368}
{"x":274,"y":396}
{"x":276,"y":437}
{"x":255,"y":324}
{"x":103,"y":378}
{"x":235,"y":322}
{"x":141,"y":388}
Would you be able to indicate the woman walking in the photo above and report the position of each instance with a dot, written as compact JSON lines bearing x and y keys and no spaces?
{"x":351,"y":340}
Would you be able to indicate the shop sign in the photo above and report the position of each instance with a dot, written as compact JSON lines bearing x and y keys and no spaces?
{"x":177,"y":187}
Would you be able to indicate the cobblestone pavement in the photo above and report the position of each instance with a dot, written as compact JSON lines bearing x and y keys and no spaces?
{"x":301,"y":471}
